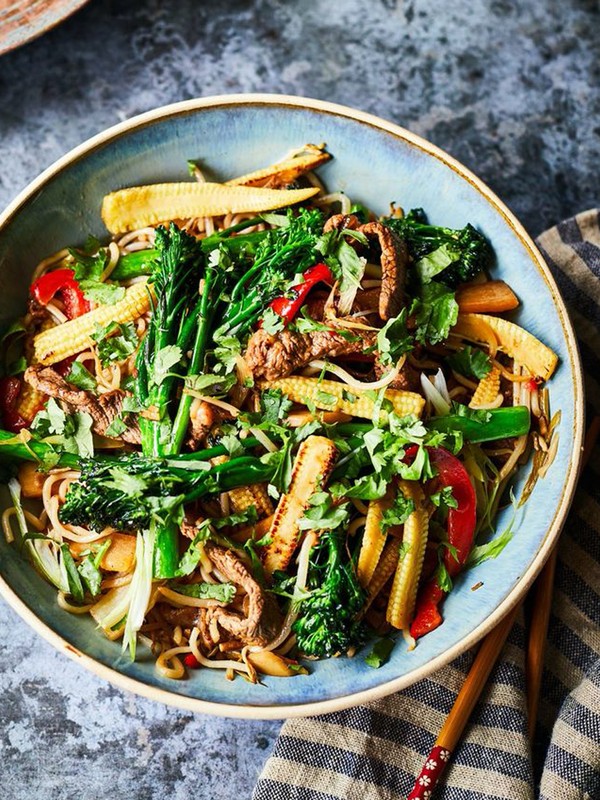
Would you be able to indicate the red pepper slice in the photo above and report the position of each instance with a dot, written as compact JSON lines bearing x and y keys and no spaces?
{"x":10,"y":390}
{"x":460,"y":532}
{"x":191,"y":661}
{"x":61,"y":281}
{"x":289,"y":306}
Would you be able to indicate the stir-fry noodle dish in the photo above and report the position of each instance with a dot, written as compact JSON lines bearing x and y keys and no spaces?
{"x":262,"y":425}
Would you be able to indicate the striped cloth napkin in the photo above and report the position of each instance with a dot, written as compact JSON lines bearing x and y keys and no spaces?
{"x":374,"y":752}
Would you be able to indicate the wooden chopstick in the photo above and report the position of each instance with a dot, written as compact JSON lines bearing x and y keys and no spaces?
{"x":542,"y":603}
{"x":460,"y":713}
{"x":485,"y":660}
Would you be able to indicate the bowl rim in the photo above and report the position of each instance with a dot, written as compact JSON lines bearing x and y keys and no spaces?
{"x":248,"y":711}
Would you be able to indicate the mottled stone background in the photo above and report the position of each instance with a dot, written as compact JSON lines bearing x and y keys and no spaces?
{"x":509,"y":87}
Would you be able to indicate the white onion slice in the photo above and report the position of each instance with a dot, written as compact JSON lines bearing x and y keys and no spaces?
{"x":348,"y":379}
{"x":440,"y":384}
{"x":435,"y":397}
{"x":264,"y":440}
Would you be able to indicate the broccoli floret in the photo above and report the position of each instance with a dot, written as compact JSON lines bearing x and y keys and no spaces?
{"x":127,"y":492}
{"x":451,"y":256}
{"x":327,"y":624}
{"x":118,"y":493}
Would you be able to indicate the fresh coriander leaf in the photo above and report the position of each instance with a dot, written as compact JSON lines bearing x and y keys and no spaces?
{"x":444,"y":581}
{"x":349,"y":272}
{"x":90,"y":262}
{"x":420,"y":469}
{"x":115,"y":342}
{"x":435,"y":262}
{"x":304,"y":323}
{"x":393,"y":340}
{"x":369,"y":487}
{"x":246,"y":517}
{"x":283,"y":459}
{"x":346,"y":265}
{"x":373,"y":441}
{"x":275,"y":405}
{"x":470,"y":362}
{"x":435,"y":310}
{"x":349,"y":397}
{"x":116,"y":428}
{"x":164,"y":359}
{"x":77,"y":434}
{"x":81,"y":377}
{"x":223,"y":592}
{"x":232,"y":444}
{"x":322,"y":514}
{"x":272,"y":322}
{"x":211,"y":385}
{"x":130,"y":405}
{"x":444,"y":498}
{"x":398,"y":512}
{"x":409,"y":428}
{"x":102,"y":293}
{"x":380,"y":653}
{"x":325,"y":398}
{"x":476,"y":414}
{"x":191,"y":558}
{"x":50,"y":420}
{"x":227,"y":351}
{"x":403,"y":551}
{"x":131,"y":485}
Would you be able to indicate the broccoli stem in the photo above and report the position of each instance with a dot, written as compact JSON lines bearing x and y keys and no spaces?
{"x":13,"y":448}
{"x":204,"y":320}
{"x":143,"y":262}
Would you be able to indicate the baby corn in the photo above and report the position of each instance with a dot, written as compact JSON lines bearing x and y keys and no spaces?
{"x":373,"y":539}
{"x":385,"y":569}
{"x":30,"y":401}
{"x":246,"y":496}
{"x":73,"y":336}
{"x":139,"y":206}
{"x":334,"y":396}
{"x":515,"y":341}
{"x":403,"y":596}
{"x":314,"y":462}
{"x":285,"y":172}
{"x":487,"y":389}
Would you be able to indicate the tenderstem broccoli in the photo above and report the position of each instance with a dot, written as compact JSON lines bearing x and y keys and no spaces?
{"x":451,"y":256}
{"x":327,"y":624}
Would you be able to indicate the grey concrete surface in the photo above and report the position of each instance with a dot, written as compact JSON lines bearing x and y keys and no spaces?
{"x":509,"y":87}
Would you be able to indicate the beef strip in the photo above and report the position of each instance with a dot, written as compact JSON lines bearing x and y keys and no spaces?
{"x":246,"y":628}
{"x":341,"y":221}
{"x":394,"y":262}
{"x":103,"y":409}
{"x":272,"y":356}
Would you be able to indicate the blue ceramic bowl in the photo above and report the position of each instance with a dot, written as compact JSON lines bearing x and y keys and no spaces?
{"x":375,"y":162}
